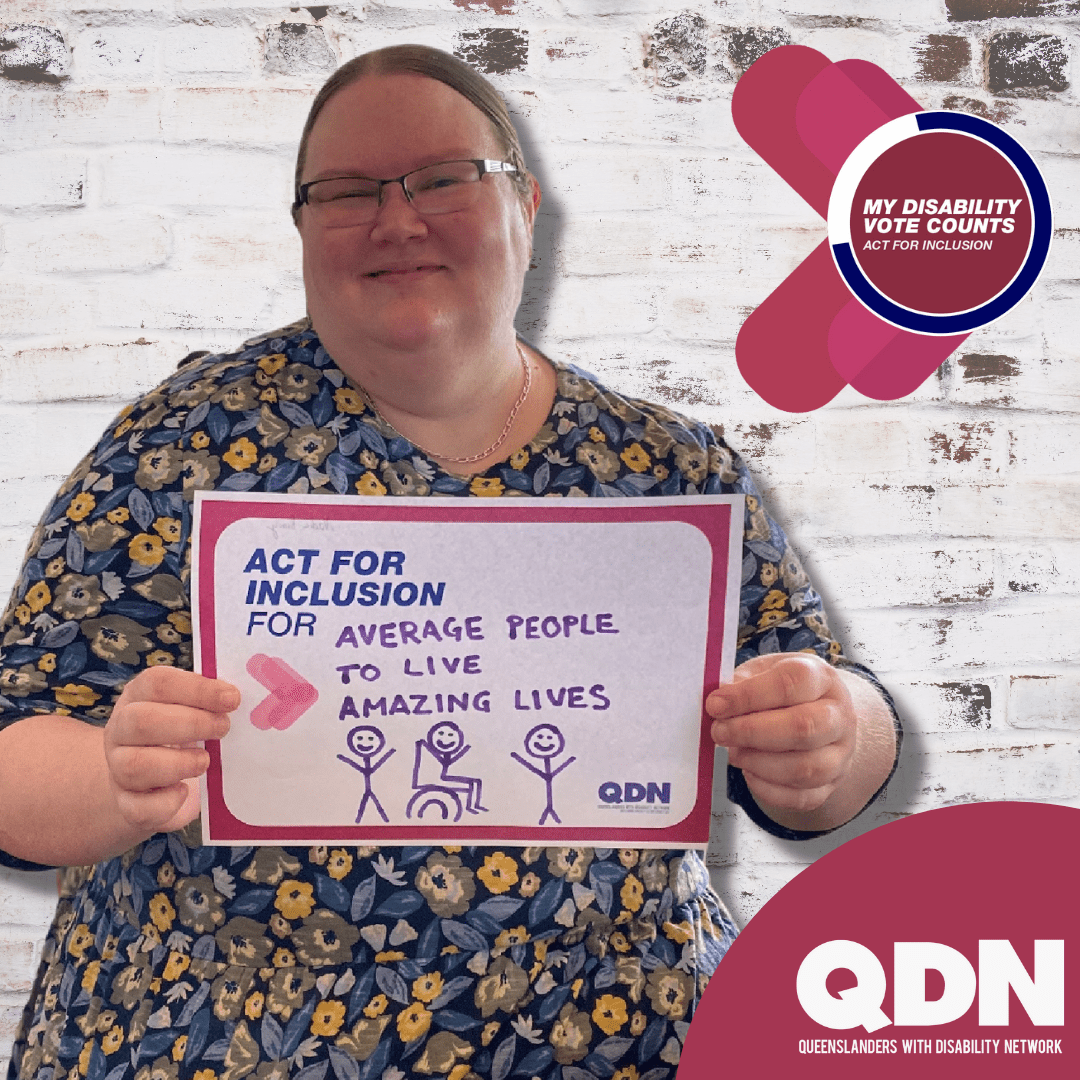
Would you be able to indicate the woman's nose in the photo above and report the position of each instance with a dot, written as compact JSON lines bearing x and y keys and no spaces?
{"x":396,"y":218}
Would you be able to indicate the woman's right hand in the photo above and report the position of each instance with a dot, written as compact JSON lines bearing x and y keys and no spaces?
{"x":150,"y":749}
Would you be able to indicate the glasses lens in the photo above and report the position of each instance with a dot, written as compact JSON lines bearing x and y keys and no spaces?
{"x":349,"y":200}
{"x":443,"y":188}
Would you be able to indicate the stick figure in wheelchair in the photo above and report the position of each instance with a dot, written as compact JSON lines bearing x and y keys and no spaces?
{"x":445,"y":742}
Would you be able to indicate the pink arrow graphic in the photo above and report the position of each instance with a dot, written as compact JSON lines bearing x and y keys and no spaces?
{"x":291,"y":695}
{"x":804,"y":115}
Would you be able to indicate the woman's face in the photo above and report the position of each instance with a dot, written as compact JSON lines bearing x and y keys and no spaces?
{"x":406,"y":282}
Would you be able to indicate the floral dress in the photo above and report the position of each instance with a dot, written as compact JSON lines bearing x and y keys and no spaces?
{"x":353,"y":963}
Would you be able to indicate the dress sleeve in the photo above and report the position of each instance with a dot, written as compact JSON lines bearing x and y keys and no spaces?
{"x":779,"y":611}
{"x":102,"y":592}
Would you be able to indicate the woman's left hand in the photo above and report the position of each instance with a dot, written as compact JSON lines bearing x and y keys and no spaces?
{"x":814,"y":742}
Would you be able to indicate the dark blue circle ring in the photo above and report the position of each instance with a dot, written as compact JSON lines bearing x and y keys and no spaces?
{"x":1015,"y":291}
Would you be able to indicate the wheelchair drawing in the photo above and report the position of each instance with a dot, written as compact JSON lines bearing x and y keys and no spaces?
{"x":443,"y":746}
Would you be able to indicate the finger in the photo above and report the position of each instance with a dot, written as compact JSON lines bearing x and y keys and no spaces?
{"x":801,"y":727}
{"x":149,"y":811}
{"x":147,"y":768}
{"x":172,"y":686}
{"x":150,"y":723}
{"x":793,"y":680}
{"x":799,"y":769}
{"x":777,"y":796}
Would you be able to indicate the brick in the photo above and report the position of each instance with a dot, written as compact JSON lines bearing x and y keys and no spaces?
{"x":31,"y":117}
{"x":17,"y":966}
{"x":744,"y":47}
{"x":579,"y":300}
{"x":895,"y":51}
{"x":33,"y":306}
{"x":115,"y":370}
{"x":266,"y":242}
{"x":677,"y":49}
{"x":891,"y":574}
{"x":45,"y":178}
{"x":173,"y":301}
{"x":968,"y":448}
{"x":776,"y":444}
{"x":259,"y":116}
{"x":960,"y":768}
{"x":201,"y":50}
{"x":27,"y":899}
{"x":87,"y":242}
{"x":702,"y":310}
{"x":1019,"y":61}
{"x":947,"y":705}
{"x":294,"y":48}
{"x":69,"y":429}
{"x":1047,"y":702}
{"x":943,"y":58}
{"x":116,"y":53}
{"x":978,"y":10}
{"x":582,"y":181}
{"x":873,"y":446}
{"x":31,"y":53}
{"x":496,"y":50}
{"x":571,"y":54}
{"x":161,"y":176}
{"x":1045,"y":569}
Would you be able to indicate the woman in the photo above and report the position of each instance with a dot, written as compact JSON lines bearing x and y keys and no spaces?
{"x":167,"y":958}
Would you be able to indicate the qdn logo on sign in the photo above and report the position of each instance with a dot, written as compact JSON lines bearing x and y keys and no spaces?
{"x":1042,"y":993}
{"x":632,"y":792}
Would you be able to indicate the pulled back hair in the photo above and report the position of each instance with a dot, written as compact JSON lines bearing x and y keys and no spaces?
{"x":432,"y":64}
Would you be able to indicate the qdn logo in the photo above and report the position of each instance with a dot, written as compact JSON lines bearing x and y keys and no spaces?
{"x":631,"y":792}
{"x":1042,"y":993}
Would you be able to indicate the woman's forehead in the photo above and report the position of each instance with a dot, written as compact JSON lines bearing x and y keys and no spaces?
{"x":383,"y":125}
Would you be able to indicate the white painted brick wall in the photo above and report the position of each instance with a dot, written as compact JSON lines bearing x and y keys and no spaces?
{"x":143,"y":214}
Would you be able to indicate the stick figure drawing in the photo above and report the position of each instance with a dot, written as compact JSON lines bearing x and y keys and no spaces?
{"x":365,"y":742}
{"x":545,"y":742}
{"x":445,"y":742}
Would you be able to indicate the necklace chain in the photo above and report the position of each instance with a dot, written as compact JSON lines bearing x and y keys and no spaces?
{"x":526,"y":366}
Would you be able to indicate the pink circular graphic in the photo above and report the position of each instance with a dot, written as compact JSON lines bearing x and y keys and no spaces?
{"x":954,"y":880}
{"x":941,"y":222}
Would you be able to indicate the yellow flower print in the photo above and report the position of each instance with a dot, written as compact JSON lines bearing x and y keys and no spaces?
{"x":283,"y":958}
{"x":609,"y":1015}
{"x":294,"y":899}
{"x":182,"y":621}
{"x":391,"y":956}
{"x":628,"y":857}
{"x":168,"y":528}
{"x":618,"y":942}
{"x":55,"y":567}
{"x":507,"y":939}
{"x":459,"y":1071}
{"x":81,"y":939}
{"x":339,"y":863}
{"x":529,"y":884}
{"x":274,"y":363}
{"x":75,"y":696}
{"x":775,"y":598}
{"x":597,"y":435}
{"x":349,"y":400}
{"x":118,"y":515}
{"x":636,"y":458}
{"x":370,"y":484}
{"x":451,"y":849}
{"x":519,"y":459}
{"x":486,"y":487}
{"x":632,"y":893}
{"x":200,"y":440}
{"x":242,"y":454}
{"x":209,"y":1074}
{"x":769,"y":574}
{"x":162,"y":913}
{"x":660,"y":472}
{"x":499,"y":872}
{"x":376,"y":1006}
{"x":84,"y":1057}
{"x":178,"y":963}
{"x":770,"y":618}
{"x":178,"y":1048}
{"x":491,"y":1029}
{"x":22,"y":614}
{"x":146,"y":550}
{"x":123,"y":427}
{"x":253,"y":1006}
{"x":413,"y":1022}
{"x":630,"y":1071}
{"x":90,"y":975}
{"x":428,"y":987}
{"x":160,"y":658}
{"x":328,"y":1018}
{"x":47,"y":662}
{"x":81,"y":505}
{"x":266,"y":463}
{"x":38,"y":597}
{"x":680,"y":933}
{"x":638,"y":1023}
{"x":112,"y":1040}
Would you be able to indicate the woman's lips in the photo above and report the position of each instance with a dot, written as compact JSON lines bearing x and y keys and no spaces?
{"x":400,"y":273}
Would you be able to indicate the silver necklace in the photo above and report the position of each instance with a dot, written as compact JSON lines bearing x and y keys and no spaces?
{"x":483,"y":453}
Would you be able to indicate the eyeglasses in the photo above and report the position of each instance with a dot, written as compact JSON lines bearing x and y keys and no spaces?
{"x":341,"y":201}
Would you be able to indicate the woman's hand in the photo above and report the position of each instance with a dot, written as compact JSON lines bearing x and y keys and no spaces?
{"x":814,"y":742}
{"x":149,"y":745}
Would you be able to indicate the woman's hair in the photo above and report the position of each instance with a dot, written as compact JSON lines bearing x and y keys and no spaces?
{"x":433,"y":64}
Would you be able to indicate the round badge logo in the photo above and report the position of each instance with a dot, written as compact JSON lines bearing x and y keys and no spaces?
{"x":939,"y":222}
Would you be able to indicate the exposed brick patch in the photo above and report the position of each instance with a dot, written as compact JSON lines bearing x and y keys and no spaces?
{"x":943,"y":57}
{"x":493,"y":50}
{"x":971,"y":702}
{"x":500,"y":7}
{"x":978,"y":10}
{"x":316,"y":13}
{"x":988,"y":368}
{"x":1019,"y":61}
{"x":999,"y":113}
{"x":33,"y":53}
{"x":746,"y":46}
{"x":677,"y":48}
{"x":296,"y":49}
{"x":968,"y":442}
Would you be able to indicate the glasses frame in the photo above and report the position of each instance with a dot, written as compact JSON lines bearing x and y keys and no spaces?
{"x":483,"y":165}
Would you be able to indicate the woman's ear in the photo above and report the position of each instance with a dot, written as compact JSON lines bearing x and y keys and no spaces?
{"x":530,"y":208}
